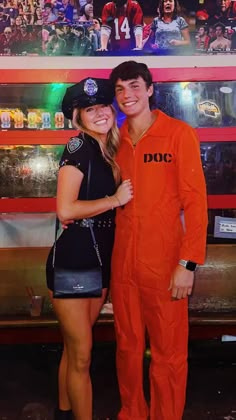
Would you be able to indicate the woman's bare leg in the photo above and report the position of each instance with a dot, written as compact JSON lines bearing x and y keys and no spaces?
{"x":63,"y":397}
{"x":76,"y":317}
{"x":96,"y":306}
{"x":64,"y":402}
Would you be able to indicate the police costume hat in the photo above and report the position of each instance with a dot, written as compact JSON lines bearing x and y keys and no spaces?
{"x":88,"y":92}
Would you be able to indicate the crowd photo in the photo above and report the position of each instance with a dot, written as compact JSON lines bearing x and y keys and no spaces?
{"x":118,"y":27}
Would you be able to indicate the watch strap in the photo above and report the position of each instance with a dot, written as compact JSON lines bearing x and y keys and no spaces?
{"x":189,"y":265}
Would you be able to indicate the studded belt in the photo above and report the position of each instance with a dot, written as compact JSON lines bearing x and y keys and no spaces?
{"x":99,"y":223}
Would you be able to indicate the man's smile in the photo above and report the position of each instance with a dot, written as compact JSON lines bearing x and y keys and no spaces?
{"x":130,"y":103}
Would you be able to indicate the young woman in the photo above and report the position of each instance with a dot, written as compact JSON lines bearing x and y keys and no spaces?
{"x":168,"y":31}
{"x":88,"y":105}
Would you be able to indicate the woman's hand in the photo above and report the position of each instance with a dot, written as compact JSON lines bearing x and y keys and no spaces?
{"x":124,"y":192}
{"x":66,"y":223}
{"x":175,"y":42}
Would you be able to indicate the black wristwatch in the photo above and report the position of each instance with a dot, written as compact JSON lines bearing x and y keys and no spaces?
{"x":190,"y":265}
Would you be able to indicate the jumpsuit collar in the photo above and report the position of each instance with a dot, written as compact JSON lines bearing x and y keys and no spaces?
{"x":159,"y":124}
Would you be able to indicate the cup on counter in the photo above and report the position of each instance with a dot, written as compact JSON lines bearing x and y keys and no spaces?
{"x":36,"y":305}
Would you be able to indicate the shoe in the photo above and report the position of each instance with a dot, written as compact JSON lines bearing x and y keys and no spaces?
{"x":63,"y":414}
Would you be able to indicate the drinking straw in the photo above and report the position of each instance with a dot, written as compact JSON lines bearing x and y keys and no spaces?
{"x":30,"y":291}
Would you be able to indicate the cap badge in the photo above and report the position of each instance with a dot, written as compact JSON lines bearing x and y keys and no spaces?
{"x":90,"y":87}
{"x":74,"y":144}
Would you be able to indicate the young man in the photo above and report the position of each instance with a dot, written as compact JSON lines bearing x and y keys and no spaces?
{"x":220,"y":43}
{"x":202,"y":39}
{"x":122,"y":25}
{"x":82,"y":44}
{"x":155,"y":253}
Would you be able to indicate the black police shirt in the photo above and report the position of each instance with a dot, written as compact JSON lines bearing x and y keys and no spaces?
{"x":78,"y":152}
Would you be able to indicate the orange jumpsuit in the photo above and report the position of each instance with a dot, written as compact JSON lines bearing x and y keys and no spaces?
{"x":167,"y":176}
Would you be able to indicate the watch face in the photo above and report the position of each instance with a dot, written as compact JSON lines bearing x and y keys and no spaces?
{"x":191,"y":265}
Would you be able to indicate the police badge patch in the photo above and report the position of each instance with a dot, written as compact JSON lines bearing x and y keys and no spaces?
{"x":90,"y":87}
{"x":74,"y":144}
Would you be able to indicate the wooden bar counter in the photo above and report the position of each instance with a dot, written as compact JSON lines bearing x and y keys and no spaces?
{"x":212,"y":307}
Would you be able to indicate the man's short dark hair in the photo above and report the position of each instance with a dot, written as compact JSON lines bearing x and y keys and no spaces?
{"x":220,"y":25}
{"x":205,"y":27}
{"x":131,"y":70}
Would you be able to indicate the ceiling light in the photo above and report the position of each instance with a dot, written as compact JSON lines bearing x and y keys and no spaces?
{"x":226,"y":89}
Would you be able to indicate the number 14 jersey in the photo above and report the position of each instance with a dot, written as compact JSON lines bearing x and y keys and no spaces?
{"x":121,"y":24}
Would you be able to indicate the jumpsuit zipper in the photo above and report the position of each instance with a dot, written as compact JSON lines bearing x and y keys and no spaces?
{"x":135,"y":244}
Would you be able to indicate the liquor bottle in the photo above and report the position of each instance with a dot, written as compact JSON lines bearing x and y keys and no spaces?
{"x":18,"y":119}
{"x":5,"y":119}
{"x":32,"y":120}
{"x":59,"y":120}
{"x":46,"y":120}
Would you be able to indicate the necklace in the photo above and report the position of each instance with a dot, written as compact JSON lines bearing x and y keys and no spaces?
{"x":135,"y":139}
{"x":139,"y":137}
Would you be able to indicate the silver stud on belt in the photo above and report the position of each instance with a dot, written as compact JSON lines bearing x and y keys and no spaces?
{"x":100,"y":223}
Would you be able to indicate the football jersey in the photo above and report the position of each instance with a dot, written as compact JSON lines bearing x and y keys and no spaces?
{"x":122,"y":22}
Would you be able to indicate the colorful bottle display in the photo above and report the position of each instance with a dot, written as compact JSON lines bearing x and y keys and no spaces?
{"x":33,"y":119}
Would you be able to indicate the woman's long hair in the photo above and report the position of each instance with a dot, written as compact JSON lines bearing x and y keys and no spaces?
{"x":108,"y":149}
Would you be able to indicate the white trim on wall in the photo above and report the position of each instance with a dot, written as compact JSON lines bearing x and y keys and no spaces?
{"x":110,"y":62}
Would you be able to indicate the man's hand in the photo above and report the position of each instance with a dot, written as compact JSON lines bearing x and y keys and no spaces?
{"x":181,"y":282}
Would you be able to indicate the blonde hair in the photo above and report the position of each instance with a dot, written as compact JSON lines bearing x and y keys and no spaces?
{"x":108,"y":149}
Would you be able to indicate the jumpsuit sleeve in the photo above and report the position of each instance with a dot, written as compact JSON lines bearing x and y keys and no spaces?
{"x":192,"y":190}
{"x":75,"y":154}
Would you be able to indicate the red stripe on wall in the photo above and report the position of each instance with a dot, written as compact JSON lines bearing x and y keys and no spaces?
{"x":45,"y":205}
{"x":159,"y":75}
{"x":27,"y":205}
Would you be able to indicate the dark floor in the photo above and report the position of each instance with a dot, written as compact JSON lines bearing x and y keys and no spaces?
{"x":28,"y":381}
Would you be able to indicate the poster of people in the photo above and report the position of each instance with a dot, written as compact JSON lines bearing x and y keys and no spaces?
{"x":118,"y":27}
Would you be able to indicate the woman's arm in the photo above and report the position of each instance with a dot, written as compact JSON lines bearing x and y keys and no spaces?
{"x":184,"y":41}
{"x":68,"y":205}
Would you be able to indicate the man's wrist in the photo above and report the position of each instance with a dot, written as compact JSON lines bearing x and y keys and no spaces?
{"x":189,"y":265}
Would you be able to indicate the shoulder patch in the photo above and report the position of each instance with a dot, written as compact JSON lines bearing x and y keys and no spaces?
{"x":74,"y":144}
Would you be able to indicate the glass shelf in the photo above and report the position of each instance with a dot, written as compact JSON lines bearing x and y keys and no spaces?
{"x":37,"y":106}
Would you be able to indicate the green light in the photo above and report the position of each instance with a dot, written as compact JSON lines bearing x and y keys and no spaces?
{"x":56,"y":86}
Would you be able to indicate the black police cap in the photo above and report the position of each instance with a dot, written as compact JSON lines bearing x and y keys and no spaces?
{"x":88,"y":92}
